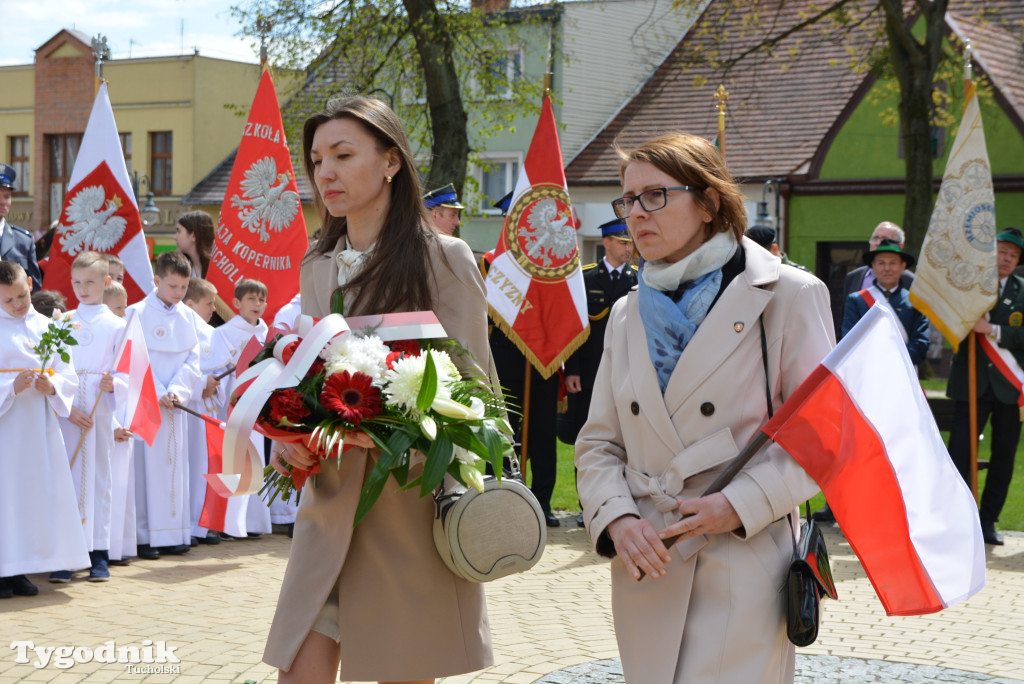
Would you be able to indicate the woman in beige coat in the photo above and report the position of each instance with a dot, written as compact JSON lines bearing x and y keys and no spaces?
{"x":680,"y":390}
{"x":376,"y":598}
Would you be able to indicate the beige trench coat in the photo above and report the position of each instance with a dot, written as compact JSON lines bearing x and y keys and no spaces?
{"x":403,"y":614}
{"x":717,"y":616}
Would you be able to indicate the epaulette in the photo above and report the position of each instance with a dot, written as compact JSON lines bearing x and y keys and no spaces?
{"x":19,"y":229}
{"x":589,"y":266}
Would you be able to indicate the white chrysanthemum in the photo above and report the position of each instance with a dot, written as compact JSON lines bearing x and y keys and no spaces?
{"x":447,"y":371}
{"x":403,"y":382}
{"x":356,"y":354}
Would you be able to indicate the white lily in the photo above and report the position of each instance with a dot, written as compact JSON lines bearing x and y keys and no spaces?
{"x":472,"y":477}
{"x":450,"y":408}
{"x":428,"y":427}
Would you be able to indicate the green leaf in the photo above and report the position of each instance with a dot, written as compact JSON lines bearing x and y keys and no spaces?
{"x":374,"y":484}
{"x":338,"y":302}
{"x":64,"y":356}
{"x":428,"y":390}
{"x":497,"y":448}
{"x":438,"y":457}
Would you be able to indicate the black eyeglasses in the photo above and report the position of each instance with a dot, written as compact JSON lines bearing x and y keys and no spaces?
{"x":650,"y":200}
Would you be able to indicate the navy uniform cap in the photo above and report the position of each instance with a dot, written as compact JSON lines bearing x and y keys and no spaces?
{"x":7,"y":176}
{"x":442,"y":197}
{"x":614,"y":228}
{"x":761,"y":234}
{"x":503,"y":203}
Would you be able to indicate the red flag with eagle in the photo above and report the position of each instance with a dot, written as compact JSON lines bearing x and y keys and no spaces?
{"x":261,"y":233}
{"x":535,"y":289}
{"x":100,"y":212}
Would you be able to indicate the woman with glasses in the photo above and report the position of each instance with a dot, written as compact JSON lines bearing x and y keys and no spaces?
{"x":716,"y":327}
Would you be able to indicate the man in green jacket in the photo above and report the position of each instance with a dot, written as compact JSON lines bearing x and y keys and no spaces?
{"x":998,"y":395}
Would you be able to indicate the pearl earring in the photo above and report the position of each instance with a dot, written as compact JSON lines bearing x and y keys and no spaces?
{"x":387,"y":178}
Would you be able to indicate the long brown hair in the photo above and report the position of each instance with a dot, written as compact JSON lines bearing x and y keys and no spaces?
{"x":692,"y":160}
{"x":396,"y":274}
{"x":199,"y":224}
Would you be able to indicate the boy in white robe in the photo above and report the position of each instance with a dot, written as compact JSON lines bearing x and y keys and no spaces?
{"x":41,"y":530}
{"x":122,"y":467}
{"x":251,"y":302}
{"x":89,"y":429}
{"x":162,"y":516}
{"x":208,"y":397}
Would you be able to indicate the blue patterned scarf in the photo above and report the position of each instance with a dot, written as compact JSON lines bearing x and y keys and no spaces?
{"x":670,"y":325}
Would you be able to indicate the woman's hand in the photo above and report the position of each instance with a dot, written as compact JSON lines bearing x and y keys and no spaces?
{"x":43,"y":385}
{"x":710,"y":514}
{"x":358,"y":438}
{"x":294,"y":453}
{"x":637,"y":544}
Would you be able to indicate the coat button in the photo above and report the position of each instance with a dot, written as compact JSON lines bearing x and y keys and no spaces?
{"x":707,"y":408}
{"x":635,"y":408}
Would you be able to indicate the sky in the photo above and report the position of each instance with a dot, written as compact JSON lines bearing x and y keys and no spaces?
{"x":136,"y":28}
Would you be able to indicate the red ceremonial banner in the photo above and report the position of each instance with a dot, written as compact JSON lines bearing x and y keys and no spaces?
{"x":261,"y":233}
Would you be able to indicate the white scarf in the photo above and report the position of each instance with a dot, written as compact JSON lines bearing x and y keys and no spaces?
{"x":351,"y":261}
{"x":712,"y":255}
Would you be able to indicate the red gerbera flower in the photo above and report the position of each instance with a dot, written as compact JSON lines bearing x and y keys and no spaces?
{"x":351,"y":395}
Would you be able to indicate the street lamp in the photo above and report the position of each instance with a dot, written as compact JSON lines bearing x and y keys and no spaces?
{"x":149,"y":213}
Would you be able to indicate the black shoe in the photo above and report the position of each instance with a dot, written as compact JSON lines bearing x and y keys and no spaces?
{"x":175,"y":550}
{"x":990,"y":535}
{"x":291,"y":530}
{"x":5,"y":590}
{"x":211,"y":538}
{"x":224,"y":536}
{"x":20,"y":585}
{"x":147,"y":552}
{"x":823,"y":514}
{"x":254,"y":535}
{"x":551,"y":519}
{"x":119,"y":561}
{"x":579,"y":520}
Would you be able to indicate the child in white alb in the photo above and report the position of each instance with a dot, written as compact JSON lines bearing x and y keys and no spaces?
{"x":122,"y":463}
{"x":42,"y":529}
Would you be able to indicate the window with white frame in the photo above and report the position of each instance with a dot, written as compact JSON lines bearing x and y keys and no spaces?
{"x":502,"y":72}
{"x":497,"y":176}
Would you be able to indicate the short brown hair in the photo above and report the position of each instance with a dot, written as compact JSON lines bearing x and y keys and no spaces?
{"x":115,"y":289}
{"x":114,"y":259}
{"x":198,"y":288}
{"x":91,"y":260}
{"x":173,"y":262}
{"x":45,"y":301}
{"x":11,"y":272}
{"x":250,"y":286}
{"x":692,"y":160}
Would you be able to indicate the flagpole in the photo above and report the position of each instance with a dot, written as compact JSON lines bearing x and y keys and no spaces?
{"x":720,"y":97}
{"x":99,"y":396}
{"x":972,"y":406}
{"x":972,"y":368}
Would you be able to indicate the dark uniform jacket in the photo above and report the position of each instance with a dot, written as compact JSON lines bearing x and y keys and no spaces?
{"x":914,"y":322}
{"x":1008,"y":314}
{"x":601,"y":294}
{"x":17,"y":245}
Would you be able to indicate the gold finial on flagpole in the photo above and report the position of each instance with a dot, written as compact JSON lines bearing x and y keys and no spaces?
{"x":720,"y":97}
{"x":547,"y":84}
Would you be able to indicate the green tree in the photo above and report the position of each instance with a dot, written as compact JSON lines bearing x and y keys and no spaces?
{"x":906,"y":43}
{"x":444,"y":68}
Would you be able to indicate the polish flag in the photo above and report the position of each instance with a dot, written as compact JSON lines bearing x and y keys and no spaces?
{"x":143,"y":405}
{"x":861,"y":427}
{"x":535,"y":289}
{"x":215,"y":505}
{"x":100,"y":213}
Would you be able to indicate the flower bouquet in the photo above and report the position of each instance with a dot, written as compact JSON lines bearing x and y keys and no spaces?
{"x":406,"y":395}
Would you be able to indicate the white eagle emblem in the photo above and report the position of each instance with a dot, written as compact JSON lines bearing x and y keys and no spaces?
{"x":549,"y":233}
{"x":267,"y":204}
{"x":93,"y":224}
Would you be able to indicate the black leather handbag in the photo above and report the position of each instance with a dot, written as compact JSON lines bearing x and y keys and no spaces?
{"x":808,"y":580}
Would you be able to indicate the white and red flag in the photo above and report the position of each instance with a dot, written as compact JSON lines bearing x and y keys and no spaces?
{"x":861,"y":427}
{"x":535,"y":289}
{"x":142,"y":402}
{"x":100,"y":213}
{"x":261,"y":233}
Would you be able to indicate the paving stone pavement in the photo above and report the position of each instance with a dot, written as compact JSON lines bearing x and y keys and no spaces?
{"x":213,"y":607}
